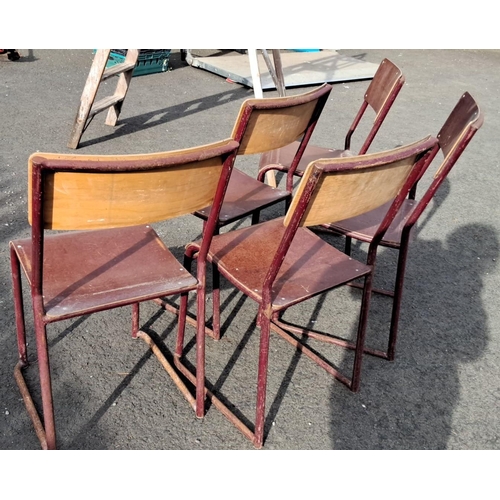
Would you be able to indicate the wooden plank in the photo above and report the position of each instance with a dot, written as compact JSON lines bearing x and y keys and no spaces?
{"x":254,"y":70}
{"x":94,"y":200}
{"x":280,"y":77}
{"x":88,"y":95}
{"x":117,"y":69}
{"x":122,"y":87}
{"x":104,"y":104}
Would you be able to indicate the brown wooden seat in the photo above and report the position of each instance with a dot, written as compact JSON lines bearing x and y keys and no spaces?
{"x":263,"y":125}
{"x":380,"y":96}
{"x":281,"y":263}
{"x":463,"y":122}
{"x":105,"y":254}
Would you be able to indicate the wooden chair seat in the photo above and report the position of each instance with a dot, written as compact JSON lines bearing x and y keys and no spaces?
{"x":85,"y":271}
{"x":283,"y":157}
{"x":364,"y":226}
{"x":246,"y":254}
{"x":244,"y":196}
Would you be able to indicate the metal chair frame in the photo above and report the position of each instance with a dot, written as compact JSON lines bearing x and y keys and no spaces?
{"x":108,"y":198}
{"x":460,"y":127}
{"x":257,"y":259}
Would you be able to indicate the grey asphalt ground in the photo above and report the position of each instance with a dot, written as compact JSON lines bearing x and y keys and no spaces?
{"x":441,"y":392}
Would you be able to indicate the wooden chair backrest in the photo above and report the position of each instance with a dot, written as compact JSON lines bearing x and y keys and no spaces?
{"x":351,"y":186}
{"x":266,"y":124}
{"x":386,"y":80}
{"x":95,"y":191}
{"x":465,"y":119}
{"x":456,"y":133}
{"x":380,"y":96}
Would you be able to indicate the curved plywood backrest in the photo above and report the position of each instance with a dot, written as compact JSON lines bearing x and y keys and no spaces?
{"x":465,"y":119}
{"x":386,"y":82}
{"x":96,"y":192}
{"x":266,"y":124}
{"x":351,"y":186}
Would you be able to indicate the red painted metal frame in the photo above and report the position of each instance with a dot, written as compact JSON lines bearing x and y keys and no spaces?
{"x":386,"y":107}
{"x":462,"y":124}
{"x":45,"y":426}
{"x":268,"y":317}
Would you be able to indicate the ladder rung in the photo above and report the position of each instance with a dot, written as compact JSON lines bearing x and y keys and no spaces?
{"x":105,"y":103}
{"x":117,"y":69}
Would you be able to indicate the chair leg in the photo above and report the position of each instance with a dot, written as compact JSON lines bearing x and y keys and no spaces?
{"x":347,"y":248}
{"x":19,"y":308}
{"x":200,"y":356}
{"x":181,"y":328}
{"x":46,"y":431}
{"x":255,"y":217}
{"x":215,"y":332}
{"x":135,"y":320}
{"x":183,"y":306}
{"x":398,"y":296}
{"x":265,"y":330}
{"x":360,"y":340}
{"x":200,"y":342}
{"x":215,"y":302}
{"x":45,"y":382}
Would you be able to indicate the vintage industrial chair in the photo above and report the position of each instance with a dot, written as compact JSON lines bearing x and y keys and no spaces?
{"x":463,"y":122}
{"x":263,"y":125}
{"x":280,"y":263}
{"x":115,"y":258}
{"x":380,"y":96}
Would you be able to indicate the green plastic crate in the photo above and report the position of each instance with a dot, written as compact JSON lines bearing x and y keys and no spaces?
{"x":149,"y":61}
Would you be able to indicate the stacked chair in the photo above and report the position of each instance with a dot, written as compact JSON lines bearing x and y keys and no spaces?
{"x":105,"y":253}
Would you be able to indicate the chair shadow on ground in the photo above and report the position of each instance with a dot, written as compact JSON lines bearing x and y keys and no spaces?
{"x":88,"y":435}
{"x":409,"y":403}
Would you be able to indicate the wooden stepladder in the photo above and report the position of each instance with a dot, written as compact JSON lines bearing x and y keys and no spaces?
{"x":98,"y":73}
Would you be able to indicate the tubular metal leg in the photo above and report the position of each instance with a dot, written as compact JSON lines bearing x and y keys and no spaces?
{"x":135,"y":320}
{"x":265,"y":330}
{"x":398,"y":296}
{"x":200,"y":343}
{"x":360,"y":341}
{"x":45,"y":383}
{"x":215,"y":301}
